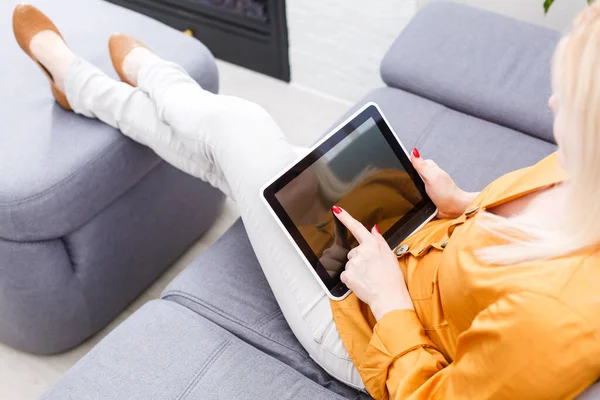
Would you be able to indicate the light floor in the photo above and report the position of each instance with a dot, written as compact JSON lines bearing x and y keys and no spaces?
{"x":303,"y":115}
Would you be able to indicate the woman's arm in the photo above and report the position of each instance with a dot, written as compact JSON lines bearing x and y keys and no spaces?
{"x":524,"y":346}
{"x":462,"y":201}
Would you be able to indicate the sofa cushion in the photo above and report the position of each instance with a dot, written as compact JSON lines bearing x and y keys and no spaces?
{"x":165,"y":351}
{"x":477,"y":62}
{"x":227,"y":286}
{"x":57,"y":169}
{"x":472,"y":150}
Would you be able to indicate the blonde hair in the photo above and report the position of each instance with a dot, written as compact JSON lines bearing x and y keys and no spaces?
{"x":576,"y":82}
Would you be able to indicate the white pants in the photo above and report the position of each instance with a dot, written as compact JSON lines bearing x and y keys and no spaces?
{"x":237,"y":147}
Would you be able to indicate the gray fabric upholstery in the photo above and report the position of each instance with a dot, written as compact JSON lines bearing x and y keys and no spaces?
{"x":476,"y":62}
{"x":247,"y":307}
{"x":165,"y":351}
{"x":58,"y":170}
{"x":88,"y":218}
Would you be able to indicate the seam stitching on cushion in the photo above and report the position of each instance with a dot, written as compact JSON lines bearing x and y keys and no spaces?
{"x":12,"y":228}
{"x":81,"y":291}
{"x":429,"y":128}
{"x":119,"y":197}
{"x":176,"y":293}
{"x":185,"y":311}
{"x":41,"y":243}
{"x":270,"y":317}
{"x":463,"y":112}
{"x":68,"y":251}
{"x":65,"y":179}
{"x":225,"y":315}
{"x":88,"y":165}
{"x":32,"y":243}
{"x":211,"y":359}
{"x":94,"y":215}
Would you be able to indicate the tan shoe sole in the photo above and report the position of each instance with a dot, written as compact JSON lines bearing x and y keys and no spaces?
{"x":119,"y":46}
{"x":28,"y":21}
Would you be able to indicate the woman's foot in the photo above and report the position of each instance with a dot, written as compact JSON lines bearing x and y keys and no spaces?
{"x":53,"y":53}
{"x":128,"y":56}
{"x":41,"y":40}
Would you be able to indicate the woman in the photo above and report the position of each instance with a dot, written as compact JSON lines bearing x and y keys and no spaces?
{"x":495,"y":299}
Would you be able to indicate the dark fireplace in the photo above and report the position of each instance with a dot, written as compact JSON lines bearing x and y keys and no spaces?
{"x":253,"y":9}
{"x":250,"y":33}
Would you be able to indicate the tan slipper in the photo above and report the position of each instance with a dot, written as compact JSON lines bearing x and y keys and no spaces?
{"x":119,"y":46}
{"x":28,"y":21}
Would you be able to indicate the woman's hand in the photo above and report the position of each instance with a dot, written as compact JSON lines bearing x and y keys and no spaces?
{"x":450,"y":200}
{"x":334,"y":258}
{"x":372,"y":271}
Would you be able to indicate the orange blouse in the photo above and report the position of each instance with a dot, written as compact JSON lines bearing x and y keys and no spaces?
{"x":526,"y":331}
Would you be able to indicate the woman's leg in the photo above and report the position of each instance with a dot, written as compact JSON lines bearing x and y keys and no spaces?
{"x":236,"y":146}
{"x":95,"y":95}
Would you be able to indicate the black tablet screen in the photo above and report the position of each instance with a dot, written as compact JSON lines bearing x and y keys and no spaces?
{"x":361,"y":173}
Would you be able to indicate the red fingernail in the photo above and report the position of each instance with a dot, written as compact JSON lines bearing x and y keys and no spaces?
{"x":377,"y":229}
{"x":416,"y":153}
{"x":336,"y":209}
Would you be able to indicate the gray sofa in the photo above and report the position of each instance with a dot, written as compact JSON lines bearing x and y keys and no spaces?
{"x":469,"y":88}
{"x":88,"y":218}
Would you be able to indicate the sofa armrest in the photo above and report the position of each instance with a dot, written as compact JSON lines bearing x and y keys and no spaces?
{"x":477,"y":62}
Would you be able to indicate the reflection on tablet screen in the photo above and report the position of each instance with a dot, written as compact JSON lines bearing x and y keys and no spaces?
{"x":360,"y":174}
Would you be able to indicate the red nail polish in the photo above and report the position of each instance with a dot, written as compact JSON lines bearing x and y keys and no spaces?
{"x":416,"y":153}
{"x":336,"y":209}
{"x":377,"y":229}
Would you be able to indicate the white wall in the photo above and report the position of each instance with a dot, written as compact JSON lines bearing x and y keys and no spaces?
{"x":336,"y":46}
{"x":559,"y":17}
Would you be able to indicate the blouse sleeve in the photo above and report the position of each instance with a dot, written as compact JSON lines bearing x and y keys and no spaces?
{"x":524,"y":346}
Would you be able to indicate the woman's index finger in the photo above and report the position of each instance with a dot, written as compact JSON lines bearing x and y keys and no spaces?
{"x":357,"y":229}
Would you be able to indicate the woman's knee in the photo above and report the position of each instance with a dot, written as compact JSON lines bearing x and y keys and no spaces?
{"x":241,"y":112}
{"x":341,"y":368}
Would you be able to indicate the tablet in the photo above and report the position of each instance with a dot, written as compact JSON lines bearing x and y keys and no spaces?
{"x":362,"y":167}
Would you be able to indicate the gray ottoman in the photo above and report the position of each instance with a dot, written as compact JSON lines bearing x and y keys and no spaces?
{"x":88,"y":218}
